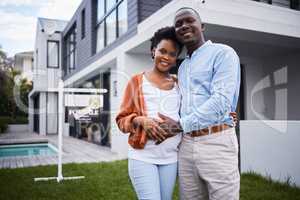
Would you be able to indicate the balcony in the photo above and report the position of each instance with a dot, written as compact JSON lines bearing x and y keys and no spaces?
{"x":293,"y":4}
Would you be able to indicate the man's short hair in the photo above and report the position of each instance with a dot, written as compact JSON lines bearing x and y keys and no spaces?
{"x":190,"y":9}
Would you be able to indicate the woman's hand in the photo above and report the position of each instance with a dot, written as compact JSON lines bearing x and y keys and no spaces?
{"x":151,"y":127}
{"x":234,"y":117}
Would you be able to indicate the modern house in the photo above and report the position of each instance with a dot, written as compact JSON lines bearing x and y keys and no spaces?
{"x":47,"y":70}
{"x":107,"y":41}
{"x":23,"y":62}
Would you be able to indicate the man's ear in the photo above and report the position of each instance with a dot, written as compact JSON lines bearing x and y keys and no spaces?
{"x":203,"y":27}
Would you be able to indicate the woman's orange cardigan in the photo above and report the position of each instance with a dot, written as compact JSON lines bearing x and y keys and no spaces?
{"x":133,"y":105}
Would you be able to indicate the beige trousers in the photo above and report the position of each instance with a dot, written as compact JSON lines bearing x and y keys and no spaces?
{"x":208,"y":167}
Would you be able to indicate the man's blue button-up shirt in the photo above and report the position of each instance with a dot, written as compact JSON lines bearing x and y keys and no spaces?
{"x":209,"y":82}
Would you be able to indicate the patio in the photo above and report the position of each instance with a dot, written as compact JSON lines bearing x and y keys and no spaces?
{"x":74,"y":151}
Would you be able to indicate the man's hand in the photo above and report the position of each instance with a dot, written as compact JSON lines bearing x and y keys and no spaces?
{"x":169,"y":125}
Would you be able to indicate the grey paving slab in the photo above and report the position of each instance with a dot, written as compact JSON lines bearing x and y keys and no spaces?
{"x":74,"y":151}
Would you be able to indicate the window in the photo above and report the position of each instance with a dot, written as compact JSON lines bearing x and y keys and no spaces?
{"x":100,"y":9}
{"x":100,"y":37}
{"x":111,"y":27}
{"x":122,"y":18}
{"x":36,"y":59}
{"x":70,"y":50}
{"x":52,"y":54}
{"x":82,"y":23}
{"x":110,"y":4}
{"x":112,"y":21}
{"x":295,"y":4}
{"x":32,"y":63}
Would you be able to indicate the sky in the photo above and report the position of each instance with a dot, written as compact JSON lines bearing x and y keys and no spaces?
{"x":18,"y":19}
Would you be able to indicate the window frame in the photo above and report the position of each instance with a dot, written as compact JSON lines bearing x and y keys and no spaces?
{"x":115,"y":27}
{"x":117,"y":17}
{"x":57,"y":42}
{"x":102,"y":20}
{"x":83,"y":24}
{"x":68,"y":51}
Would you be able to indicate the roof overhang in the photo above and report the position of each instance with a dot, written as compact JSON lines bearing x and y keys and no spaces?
{"x":241,"y":20}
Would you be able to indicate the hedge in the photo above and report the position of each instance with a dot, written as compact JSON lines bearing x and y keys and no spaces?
{"x":4,"y":121}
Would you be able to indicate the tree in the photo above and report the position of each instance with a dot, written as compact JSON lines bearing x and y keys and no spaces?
{"x":24,"y":87}
{"x":3,"y":83}
{"x":8,"y":105}
{"x":3,"y":92}
{"x":3,"y":57}
{"x":6,"y":63}
{"x":2,"y":53}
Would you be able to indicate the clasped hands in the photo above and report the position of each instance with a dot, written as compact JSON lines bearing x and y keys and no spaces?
{"x":165,"y":127}
{"x":158,"y":129}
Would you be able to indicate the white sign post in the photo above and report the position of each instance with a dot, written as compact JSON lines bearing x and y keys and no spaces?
{"x":61,"y":90}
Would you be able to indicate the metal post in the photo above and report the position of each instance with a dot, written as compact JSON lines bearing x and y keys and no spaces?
{"x":60,"y":129}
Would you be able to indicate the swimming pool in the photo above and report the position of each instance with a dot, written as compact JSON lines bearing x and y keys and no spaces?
{"x":27,"y":150}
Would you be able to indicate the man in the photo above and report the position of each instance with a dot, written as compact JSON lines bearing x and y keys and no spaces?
{"x":209,"y":80}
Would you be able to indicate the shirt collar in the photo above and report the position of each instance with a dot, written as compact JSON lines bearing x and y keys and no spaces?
{"x":208,"y":42}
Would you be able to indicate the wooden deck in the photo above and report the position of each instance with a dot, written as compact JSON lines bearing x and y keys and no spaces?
{"x":74,"y":151}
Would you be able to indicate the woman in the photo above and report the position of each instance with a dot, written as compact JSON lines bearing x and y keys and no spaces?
{"x":153,"y":166}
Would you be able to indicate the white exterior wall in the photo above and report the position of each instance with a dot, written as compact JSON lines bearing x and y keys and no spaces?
{"x":42,"y":114}
{"x":30,"y":114}
{"x":27,"y":68}
{"x":285,"y":82}
{"x":253,"y":73}
{"x":44,"y":77}
{"x":271,"y":148}
{"x":24,"y":63}
{"x":271,"y":87}
{"x":128,"y":65}
{"x":27,"y":65}
{"x":270,"y":135}
{"x":17,"y":128}
{"x":66,"y":129}
{"x":52,"y":113}
{"x":40,"y":66}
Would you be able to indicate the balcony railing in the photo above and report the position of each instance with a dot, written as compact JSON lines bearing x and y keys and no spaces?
{"x":293,"y":4}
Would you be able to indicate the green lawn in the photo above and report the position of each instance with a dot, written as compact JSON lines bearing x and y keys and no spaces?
{"x":110,"y":181}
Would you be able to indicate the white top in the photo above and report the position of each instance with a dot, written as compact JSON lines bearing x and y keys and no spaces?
{"x":166,"y":102}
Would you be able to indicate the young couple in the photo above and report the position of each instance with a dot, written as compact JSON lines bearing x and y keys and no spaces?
{"x":183,"y":126}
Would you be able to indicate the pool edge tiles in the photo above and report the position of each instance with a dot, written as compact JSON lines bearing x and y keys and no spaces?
{"x":27,"y":150}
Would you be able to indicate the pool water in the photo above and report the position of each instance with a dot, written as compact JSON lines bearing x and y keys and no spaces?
{"x":27,"y":150}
